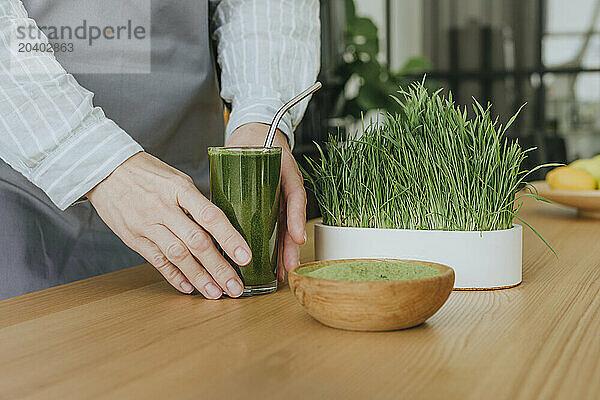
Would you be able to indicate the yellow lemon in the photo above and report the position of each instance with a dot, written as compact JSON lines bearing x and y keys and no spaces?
{"x":590,"y":165}
{"x":570,"y":178}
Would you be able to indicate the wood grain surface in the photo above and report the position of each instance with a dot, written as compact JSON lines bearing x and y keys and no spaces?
{"x":128,"y":335}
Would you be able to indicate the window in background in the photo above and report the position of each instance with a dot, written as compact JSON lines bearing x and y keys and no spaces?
{"x":571,"y":46}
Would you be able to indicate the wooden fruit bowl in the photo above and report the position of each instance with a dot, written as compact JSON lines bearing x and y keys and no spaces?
{"x":372,"y":306}
{"x":587,"y":202}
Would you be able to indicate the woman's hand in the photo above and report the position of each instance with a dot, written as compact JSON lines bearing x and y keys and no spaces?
{"x":147,"y":203}
{"x":293,"y":210}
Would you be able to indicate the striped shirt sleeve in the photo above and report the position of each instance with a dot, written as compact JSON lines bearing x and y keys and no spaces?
{"x":268,"y":51}
{"x":49,"y":129}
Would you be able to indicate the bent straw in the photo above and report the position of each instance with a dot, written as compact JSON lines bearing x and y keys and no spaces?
{"x":280,"y":113}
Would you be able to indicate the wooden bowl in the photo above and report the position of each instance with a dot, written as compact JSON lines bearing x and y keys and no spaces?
{"x":587,"y":202}
{"x":372,"y":306}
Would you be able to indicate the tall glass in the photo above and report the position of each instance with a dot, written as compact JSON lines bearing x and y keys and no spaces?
{"x":244,"y":183}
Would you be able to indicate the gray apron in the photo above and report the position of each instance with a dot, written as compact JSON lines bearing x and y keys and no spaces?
{"x":174,"y":112}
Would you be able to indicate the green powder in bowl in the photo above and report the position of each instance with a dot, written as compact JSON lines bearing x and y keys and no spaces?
{"x":370,"y":271}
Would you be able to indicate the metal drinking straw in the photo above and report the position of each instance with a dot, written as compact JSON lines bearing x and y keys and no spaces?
{"x":277,"y":118}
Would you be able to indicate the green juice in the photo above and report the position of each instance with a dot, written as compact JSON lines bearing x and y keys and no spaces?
{"x":244,"y":183}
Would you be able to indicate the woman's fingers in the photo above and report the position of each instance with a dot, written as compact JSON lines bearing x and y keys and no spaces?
{"x":280,"y":232}
{"x":291,"y":252}
{"x":136,"y":199}
{"x":200,"y":244}
{"x":179,"y":255}
{"x":211,"y":218}
{"x":294,"y":195}
{"x":141,"y":199}
{"x":154,"y":256}
{"x":280,"y":266}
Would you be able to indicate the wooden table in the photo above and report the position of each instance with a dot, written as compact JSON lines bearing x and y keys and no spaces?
{"x":129,"y":335}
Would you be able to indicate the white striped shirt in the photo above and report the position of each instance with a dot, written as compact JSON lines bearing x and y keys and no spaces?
{"x":51,"y":132}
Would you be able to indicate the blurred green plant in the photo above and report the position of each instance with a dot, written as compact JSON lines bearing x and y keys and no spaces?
{"x":367,"y":82}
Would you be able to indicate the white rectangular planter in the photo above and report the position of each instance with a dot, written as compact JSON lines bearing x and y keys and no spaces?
{"x":481,"y":260}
